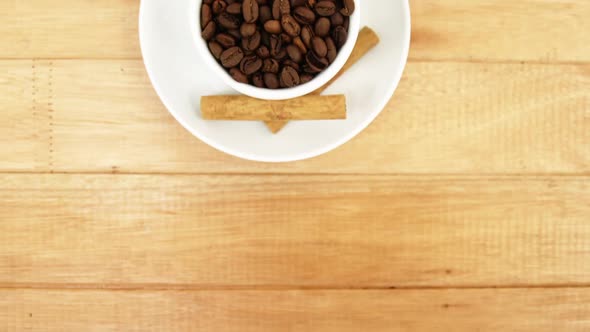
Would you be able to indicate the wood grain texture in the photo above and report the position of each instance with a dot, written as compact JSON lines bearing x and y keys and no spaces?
{"x":465,"y":118}
{"x":501,"y":30}
{"x":24,"y":125}
{"x":534,"y":310}
{"x":493,"y":87}
{"x":293,"y":231}
{"x":66,"y":29}
{"x":491,"y":30}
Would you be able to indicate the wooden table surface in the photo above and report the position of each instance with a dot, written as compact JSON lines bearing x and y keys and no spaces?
{"x":465,"y":206}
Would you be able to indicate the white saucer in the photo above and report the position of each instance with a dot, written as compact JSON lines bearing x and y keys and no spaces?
{"x":181,"y":78}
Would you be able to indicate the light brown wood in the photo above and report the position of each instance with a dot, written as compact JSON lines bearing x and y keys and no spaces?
{"x":367,"y":40}
{"x":545,"y":31}
{"x":24,"y":125}
{"x":66,"y":29}
{"x":534,"y":310}
{"x":465,"y":118}
{"x":493,"y":88}
{"x":291,"y":231}
{"x":239,"y":107}
{"x":490,"y":30}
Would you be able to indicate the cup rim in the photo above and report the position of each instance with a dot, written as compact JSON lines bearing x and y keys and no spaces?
{"x":275,"y":94}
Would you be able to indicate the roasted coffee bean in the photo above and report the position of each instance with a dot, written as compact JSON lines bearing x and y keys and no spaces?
{"x":304,"y":78}
{"x":291,"y":63}
{"x":235,"y":33}
{"x":250,"y":64}
{"x":347,"y":7}
{"x":285,"y":38}
{"x":294,"y":53}
{"x":271,"y":81}
{"x":315,"y":63}
{"x":275,"y":43}
{"x":322,"y":27}
{"x":250,"y":11}
{"x":206,"y":15}
{"x":276,"y":9}
{"x":234,"y":9}
{"x":319,"y":47}
{"x":304,"y":15}
{"x":263,"y":52}
{"x":251,"y":43}
{"x":289,"y":77}
{"x":273,"y":26}
{"x":339,"y":35}
{"x":332,"y":50}
{"x":225,"y":40}
{"x":337,"y":19}
{"x":281,"y":55}
{"x":209,"y":31}
{"x":299,"y":43}
{"x":218,"y":6}
{"x":307,"y":35}
{"x":228,"y":21}
{"x":325,"y":8}
{"x":237,"y":75}
{"x":284,"y":6}
{"x":270,"y":66}
{"x":215,"y":49}
{"x":247,"y":29}
{"x":258,"y":80}
{"x":231,"y":57}
{"x":290,"y":25}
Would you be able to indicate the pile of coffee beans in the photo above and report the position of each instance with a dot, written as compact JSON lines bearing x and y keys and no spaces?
{"x":275,"y":43}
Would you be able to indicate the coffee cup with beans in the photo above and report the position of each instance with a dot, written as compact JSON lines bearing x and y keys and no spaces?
{"x":276,"y":49}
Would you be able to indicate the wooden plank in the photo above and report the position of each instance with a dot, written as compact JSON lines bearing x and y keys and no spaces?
{"x":535,"y":310}
{"x":499,"y":30}
{"x":25,"y":116}
{"x":539,"y":122}
{"x":60,"y":29}
{"x":293,"y":231}
{"x":494,"y":30}
{"x":465,"y":118}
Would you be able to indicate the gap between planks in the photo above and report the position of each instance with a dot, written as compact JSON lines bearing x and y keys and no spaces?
{"x":410,"y":60}
{"x":197,"y":288}
{"x":463,"y":175}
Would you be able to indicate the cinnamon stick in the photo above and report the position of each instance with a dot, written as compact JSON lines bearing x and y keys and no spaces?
{"x":238,"y":107}
{"x":367,"y":39}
